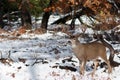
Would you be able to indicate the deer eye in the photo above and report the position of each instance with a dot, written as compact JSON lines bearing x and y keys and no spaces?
{"x":69,"y":41}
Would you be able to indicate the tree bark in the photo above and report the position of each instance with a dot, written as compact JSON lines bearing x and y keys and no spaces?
{"x":25,"y":15}
{"x":72,"y":25}
{"x":1,"y":15}
{"x":44,"y":23}
{"x":45,"y":18}
{"x":69,"y":16}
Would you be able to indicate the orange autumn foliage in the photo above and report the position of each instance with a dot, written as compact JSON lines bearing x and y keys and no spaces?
{"x":62,"y":6}
{"x":99,"y":7}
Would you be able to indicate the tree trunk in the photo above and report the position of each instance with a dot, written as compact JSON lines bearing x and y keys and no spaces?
{"x":44,"y":23}
{"x":25,"y":15}
{"x":45,"y":18}
{"x":72,"y":25}
{"x":69,"y":16}
{"x":1,"y":15}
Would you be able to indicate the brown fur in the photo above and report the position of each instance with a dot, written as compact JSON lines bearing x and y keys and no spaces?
{"x":112,"y":51}
{"x":89,"y":51}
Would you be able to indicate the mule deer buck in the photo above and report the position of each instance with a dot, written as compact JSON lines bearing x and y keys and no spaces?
{"x":89,"y":51}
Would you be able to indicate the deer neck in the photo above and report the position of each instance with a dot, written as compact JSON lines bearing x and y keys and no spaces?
{"x":74,"y":45}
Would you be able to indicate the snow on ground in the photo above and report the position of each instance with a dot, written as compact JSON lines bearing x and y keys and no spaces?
{"x":45,"y":57}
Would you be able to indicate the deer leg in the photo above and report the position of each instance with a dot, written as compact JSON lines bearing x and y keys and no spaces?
{"x":82,"y":67}
{"x":109,"y":67}
{"x":108,"y":63}
{"x":95,"y":66}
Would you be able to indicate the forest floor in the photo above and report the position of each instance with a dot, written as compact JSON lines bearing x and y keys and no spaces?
{"x":34,"y":56}
{"x":47,"y":56}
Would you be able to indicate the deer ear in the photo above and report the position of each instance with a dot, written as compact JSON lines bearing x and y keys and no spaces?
{"x":71,"y":36}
